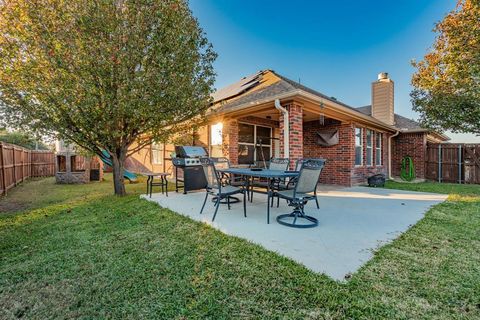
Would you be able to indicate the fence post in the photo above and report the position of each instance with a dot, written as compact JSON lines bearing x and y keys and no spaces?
{"x":21,"y":166}
{"x":460,"y":164}
{"x":14,"y":167}
{"x":439,"y":163}
{"x":4,"y":191}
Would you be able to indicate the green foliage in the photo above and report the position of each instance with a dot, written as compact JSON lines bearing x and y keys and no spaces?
{"x":73,"y":251}
{"x":104,"y":74}
{"x":22,"y":139}
{"x":447,"y":82}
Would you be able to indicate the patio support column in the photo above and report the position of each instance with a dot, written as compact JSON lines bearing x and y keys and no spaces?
{"x":230,"y":141}
{"x":295,"y":113}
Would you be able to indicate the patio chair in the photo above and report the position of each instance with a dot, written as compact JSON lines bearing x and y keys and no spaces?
{"x":274,"y":164}
{"x":224,"y":163}
{"x":291,"y":183}
{"x":304,"y":191}
{"x":216,"y":188}
{"x":228,"y":179}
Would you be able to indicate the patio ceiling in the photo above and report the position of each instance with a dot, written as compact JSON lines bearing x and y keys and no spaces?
{"x":267,"y":110}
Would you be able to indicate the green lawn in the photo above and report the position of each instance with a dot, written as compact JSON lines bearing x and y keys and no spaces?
{"x":79,"y":252}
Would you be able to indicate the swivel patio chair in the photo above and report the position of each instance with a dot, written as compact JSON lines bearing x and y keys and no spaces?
{"x":304,"y":190}
{"x":291,"y":183}
{"x":216,"y":188}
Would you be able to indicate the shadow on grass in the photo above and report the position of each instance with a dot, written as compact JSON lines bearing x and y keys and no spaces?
{"x":128,"y":253}
{"x":114,"y":257}
{"x":41,"y":192}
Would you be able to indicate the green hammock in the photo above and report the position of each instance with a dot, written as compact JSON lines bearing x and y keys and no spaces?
{"x":408,"y":169}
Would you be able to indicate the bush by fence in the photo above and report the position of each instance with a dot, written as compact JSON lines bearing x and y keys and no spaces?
{"x":18,"y":164}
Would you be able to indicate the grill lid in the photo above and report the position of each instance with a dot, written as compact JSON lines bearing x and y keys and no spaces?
{"x":190,"y":152}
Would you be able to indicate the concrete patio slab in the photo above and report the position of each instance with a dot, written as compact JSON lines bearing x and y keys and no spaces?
{"x":352,"y":223}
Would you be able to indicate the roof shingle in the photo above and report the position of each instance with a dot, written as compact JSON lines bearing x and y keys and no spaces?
{"x":401,"y":123}
{"x":239,"y":95}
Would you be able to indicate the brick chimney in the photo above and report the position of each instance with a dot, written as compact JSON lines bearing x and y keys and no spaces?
{"x":382,"y":99}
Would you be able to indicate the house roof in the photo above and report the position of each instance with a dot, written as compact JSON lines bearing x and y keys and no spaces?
{"x":238,"y":94}
{"x":402,"y":123}
{"x":260,"y":94}
{"x":238,"y":87}
{"x":258,"y":87}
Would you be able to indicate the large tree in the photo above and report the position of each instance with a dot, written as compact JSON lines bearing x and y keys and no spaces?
{"x":447,"y":81}
{"x":23,"y":139}
{"x":105,"y":74}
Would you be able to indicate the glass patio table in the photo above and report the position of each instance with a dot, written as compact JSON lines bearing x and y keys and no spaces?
{"x":269,"y":175}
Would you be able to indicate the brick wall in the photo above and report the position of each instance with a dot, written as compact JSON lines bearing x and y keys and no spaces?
{"x":230,"y":141}
{"x":339,"y":157}
{"x":409,"y":144}
{"x":360,"y":174}
{"x":295,"y":113}
{"x":340,"y":167}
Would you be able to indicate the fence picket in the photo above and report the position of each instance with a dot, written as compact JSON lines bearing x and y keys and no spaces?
{"x":455,"y":163}
{"x":4,"y":181}
{"x":18,"y":164}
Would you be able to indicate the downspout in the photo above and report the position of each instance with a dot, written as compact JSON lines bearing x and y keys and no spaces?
{"x":286,"y":129}
{"x":390,"y":154}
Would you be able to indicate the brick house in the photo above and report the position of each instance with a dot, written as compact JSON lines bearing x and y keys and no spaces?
{"x":269,"y":112}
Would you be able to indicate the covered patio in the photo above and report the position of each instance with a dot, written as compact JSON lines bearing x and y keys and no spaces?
{"x":293,"y":125}
{"x":353,"y":222}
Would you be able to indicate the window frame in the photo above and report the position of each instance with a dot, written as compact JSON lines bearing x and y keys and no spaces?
{"x":378,"y":149}
{"x":369,"y":148}
{"x":254,"y":144}
{"x":157,"y":147}
{"x":359,"y":146}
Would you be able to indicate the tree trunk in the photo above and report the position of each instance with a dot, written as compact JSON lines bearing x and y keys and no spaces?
{"x":118,"y":162}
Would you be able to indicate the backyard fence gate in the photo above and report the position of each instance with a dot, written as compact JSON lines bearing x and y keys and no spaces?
{"x":454,"y":163}
{"x":18,"y":164}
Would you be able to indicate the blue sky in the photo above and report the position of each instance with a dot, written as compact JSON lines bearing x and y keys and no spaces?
{"x":335,"y":47}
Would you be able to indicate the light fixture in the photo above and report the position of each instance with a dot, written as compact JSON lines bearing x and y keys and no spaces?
{"x":321,"y":119}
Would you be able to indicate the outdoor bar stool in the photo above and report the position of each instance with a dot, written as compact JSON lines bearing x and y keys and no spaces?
{"x":304,"y":190}
{"x":274,"y":164}
{"x":163,"y":182}
{"x":216,"y":188}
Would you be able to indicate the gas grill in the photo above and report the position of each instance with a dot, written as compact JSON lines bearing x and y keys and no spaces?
{"x":189,"y":173}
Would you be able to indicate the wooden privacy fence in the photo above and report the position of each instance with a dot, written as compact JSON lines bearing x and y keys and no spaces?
{"x":18,"y":164}
{"x":456,"y":163}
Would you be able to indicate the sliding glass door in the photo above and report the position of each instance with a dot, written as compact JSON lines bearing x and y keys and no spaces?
{"x":252,"y":140}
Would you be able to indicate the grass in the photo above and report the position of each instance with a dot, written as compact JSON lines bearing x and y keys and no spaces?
{"x":79,"y":252}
